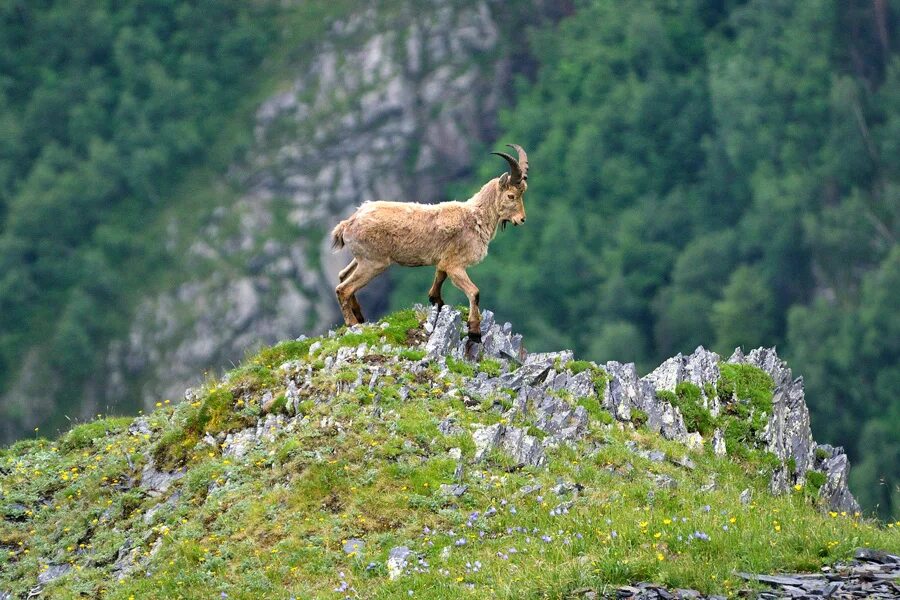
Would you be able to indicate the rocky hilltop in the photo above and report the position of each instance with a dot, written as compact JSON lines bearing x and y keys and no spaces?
{"x":388,"y":460}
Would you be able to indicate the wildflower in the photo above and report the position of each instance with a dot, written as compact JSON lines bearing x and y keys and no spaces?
{"x":660,"y":556}
{"x":798,"y":487}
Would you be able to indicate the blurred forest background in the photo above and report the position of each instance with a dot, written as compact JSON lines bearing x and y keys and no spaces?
{"x":715,"y":172}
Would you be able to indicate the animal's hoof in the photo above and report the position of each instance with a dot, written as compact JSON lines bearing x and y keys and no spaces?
{"x":475,"y":338}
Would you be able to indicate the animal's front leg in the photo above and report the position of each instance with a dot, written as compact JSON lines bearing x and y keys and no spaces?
{"x":460,"y":279}
{"x":434,"y":294}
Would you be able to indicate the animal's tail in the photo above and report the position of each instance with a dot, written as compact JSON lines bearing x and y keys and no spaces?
{"x":337,"y":235}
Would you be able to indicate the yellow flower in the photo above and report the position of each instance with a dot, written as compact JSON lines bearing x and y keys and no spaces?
{"x":798,"y":487}
{"x":732,"y":520}
{"x":659,"y":556}
{"x":667,"y":521}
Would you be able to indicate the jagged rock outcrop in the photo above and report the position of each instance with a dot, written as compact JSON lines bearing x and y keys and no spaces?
{"x":388,"y":106}
{"x":539,"y":378}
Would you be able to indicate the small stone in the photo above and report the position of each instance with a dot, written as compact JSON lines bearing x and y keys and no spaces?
{"x":656,"y":456}
{"x":665,"y":482}
{"x":693,"y":441}
{"x":397,"y":561}
{"x":267,"y":401}
{"x":354,"y":546}
{"x":876,"y":556}
{"x":53,"y":572}
{"x":718,"y":443}
{"x":455,"y":490}
{"x":746,"y":496}
{"x":455,"y":453}
{"x":686,"y":462}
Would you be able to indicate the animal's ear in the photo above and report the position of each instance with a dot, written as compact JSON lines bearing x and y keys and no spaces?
{"x":504,"y":180}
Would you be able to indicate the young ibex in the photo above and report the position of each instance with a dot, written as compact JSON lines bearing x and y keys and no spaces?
{"x":450,"y":235}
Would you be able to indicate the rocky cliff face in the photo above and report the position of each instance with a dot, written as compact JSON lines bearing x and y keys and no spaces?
{"x":389,"y":107}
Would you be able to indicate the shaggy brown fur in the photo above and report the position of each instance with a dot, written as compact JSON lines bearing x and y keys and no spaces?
{"x":450,"y":236}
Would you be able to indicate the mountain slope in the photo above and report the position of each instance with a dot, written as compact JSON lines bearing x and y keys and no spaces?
{"x":378,"y":462}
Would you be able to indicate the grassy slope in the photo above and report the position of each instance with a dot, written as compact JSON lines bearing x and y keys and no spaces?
{"x":368,"y":465}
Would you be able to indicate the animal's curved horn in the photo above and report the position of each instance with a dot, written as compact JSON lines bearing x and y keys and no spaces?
{"x":523,"y":159}
{"x":515,"y":171}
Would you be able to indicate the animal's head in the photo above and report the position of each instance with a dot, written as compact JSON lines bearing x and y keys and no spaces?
{"x":512,"y":187}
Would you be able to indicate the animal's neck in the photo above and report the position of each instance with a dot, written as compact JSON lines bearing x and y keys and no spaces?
{"x":485,"y":207}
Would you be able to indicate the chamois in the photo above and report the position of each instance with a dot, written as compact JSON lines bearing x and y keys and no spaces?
{"x":450,"y":236}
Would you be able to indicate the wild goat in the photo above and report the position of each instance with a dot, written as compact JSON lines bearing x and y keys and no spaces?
{"x":450,"y":235}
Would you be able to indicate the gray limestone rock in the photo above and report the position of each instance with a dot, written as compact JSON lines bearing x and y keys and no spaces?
{"x":448,"y":426}
{"x":787,"y":433}
{"x":835,"y":492}
{"x":398,"y":558}
{"x":558,"y":418}
{"x":354,"y":546}
{"x":158,"y":482}
{"x":446,"y":332}
{"x":456,"y":490}
{"x":626,"y":392}
{"x":718,"y":443}
{"x":524,"y":449}
{"x":580,"y":385}
{"x":53,"y":572}
{"x":700,"y":368}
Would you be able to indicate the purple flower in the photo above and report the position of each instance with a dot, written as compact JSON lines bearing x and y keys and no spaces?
{"x":706,"y":508}
{"x":460,"y":542}
{"x":547,"y":538}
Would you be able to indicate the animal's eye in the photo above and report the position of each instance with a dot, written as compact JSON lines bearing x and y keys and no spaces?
{"x":510,"y":196}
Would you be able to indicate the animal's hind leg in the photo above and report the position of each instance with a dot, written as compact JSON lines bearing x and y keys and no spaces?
{"x":345,"y":272}
{"x":364,"y":272}
{"x":357,"y":309}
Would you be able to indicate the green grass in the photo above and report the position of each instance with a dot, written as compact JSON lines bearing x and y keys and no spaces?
{"x":273,"y":523}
